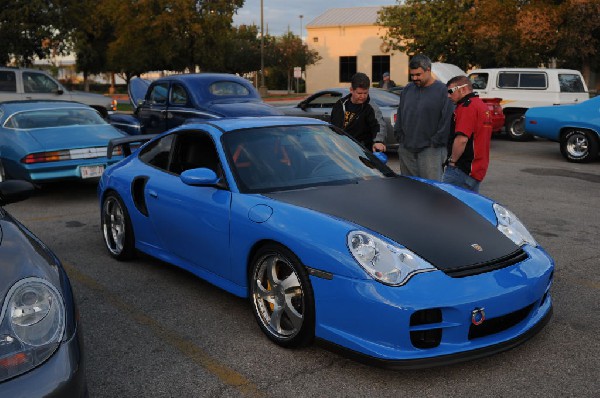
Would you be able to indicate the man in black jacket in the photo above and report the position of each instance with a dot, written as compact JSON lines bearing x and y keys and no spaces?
{"x":354,"y":114}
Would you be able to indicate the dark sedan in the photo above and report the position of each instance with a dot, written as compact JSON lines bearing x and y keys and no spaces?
{"x":41,"y":348}
{"x":170,"y":101}
{"x":319,"y":106}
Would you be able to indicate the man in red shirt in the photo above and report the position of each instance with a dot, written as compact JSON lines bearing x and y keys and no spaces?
{"x":469,"y":145}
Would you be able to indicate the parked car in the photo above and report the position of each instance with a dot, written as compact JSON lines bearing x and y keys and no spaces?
{"x":319,"y":106}
{"x":524,"y":88}
{"x":575,"y":127}
{"x":42,"y":141}
{"x":18,"y":84}
{"x":326,"y":241}
{"x":41,"y":346}
{"x":170,"y":101}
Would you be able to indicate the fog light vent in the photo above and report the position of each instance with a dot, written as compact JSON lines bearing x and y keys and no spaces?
{"x":426,"y":338}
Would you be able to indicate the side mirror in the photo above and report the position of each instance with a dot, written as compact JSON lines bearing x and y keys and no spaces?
{"x":13,"y":191}
{"x":303,"y":106}
{"x":199,"y":177}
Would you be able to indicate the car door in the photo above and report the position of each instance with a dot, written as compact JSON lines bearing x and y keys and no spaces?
{"x":192,"y":222}
{"x":179,"y":107}
{"x":40,"y":86}
{"x":152,"y":113}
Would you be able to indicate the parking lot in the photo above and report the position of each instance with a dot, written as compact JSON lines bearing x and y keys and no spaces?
{"x":152,"y":330}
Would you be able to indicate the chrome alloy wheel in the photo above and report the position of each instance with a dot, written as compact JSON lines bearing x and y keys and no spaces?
{"x":278,"y":296}
{"x":577,"y":145}
{"x":113,"y":225}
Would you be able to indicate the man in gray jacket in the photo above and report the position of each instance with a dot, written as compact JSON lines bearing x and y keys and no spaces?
{"x":424,"y":122}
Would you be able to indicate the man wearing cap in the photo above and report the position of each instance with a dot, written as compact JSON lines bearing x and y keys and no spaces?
{"x":385,"y":83}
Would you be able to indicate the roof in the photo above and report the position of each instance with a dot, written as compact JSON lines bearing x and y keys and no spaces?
{"x":346,"y":17}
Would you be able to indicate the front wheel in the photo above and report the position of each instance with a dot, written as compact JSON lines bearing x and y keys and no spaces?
{"x":116,"y":228}
{"x":515,"y":128}
{"x":282,"y":297}
{"x":579,"y":146}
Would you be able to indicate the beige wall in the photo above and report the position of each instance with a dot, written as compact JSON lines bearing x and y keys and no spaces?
{"x":360,"y":41}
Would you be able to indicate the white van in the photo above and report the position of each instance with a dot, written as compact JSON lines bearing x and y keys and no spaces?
{"x":524,"y":88}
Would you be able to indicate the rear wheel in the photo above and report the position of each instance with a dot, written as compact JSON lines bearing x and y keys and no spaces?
{"x":579,"y":146}
{"x":116,"y":228}
{"x":282,"y":297}
{"x":515,"y":127}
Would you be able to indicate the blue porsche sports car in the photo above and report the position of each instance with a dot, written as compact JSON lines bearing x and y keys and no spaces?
{"x":327,"y":241}
{"x":42,"y":141}
{"x":575,"y":127}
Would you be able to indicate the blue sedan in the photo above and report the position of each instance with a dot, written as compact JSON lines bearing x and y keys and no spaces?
{"x":41,"y":346}
{"x":43,"y":141}
{"x":170,"y":101}
{"x":575,"y":127}
{"x":327,"y":242}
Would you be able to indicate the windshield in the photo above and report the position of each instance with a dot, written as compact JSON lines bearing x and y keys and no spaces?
{"x":53,"y":117}
{"x":290,"y":157}
{"x":383,"y":98}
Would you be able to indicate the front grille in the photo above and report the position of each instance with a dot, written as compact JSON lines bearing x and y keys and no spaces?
{"x":499,"y":324}
{"x":502,"y":262}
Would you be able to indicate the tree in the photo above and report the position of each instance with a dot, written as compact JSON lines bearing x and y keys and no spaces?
{"x":243,"y":50}
{"x":33,"y":28}
{"x":289,"y":51}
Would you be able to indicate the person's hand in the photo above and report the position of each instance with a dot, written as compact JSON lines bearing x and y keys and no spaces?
{"x":379,"y":147}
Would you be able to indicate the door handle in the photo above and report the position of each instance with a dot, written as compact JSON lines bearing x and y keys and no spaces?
{"x":153,"y":194}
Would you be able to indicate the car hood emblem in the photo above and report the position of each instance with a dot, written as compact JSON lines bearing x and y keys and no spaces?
{"x":477,"y":247}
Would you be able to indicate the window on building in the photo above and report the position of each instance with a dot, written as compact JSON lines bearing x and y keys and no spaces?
{"x":379,"y":65}
{"x":347,"y":69}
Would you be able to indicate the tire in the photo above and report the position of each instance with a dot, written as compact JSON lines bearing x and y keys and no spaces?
{"x":579,"y":146}
{"x":515,"y":127}
{"x":116,"y":228}
{"x":282,"y":297}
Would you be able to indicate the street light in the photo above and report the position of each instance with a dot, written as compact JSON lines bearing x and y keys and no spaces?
{"x":301,"y":16}
{"x":263,"y":88}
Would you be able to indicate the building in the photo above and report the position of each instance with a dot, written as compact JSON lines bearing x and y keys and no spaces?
{"x":349,"y":41}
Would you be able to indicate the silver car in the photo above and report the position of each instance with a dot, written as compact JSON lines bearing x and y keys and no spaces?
{"x":319,"y":106}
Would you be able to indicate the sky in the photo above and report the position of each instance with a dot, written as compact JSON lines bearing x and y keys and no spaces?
{"x":283,"y":15}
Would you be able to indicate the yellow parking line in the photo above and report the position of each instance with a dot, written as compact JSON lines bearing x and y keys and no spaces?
{"x":227,"y":375}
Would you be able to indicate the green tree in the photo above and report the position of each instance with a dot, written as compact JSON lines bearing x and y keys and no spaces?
{"x":33,"y":28}
{"x":288,"y":52}
{"x":242,"y":50}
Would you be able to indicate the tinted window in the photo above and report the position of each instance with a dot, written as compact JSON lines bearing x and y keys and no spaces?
{"x":533,"y":80}
{"x":347,"y":69}
{"x":8,"y":84}
{"x":158,"y":94}
{"x":194,"y":150}
{"x":178,"y":95}
{"x":570,"y":83}
{"x":383,"y":98}
{"x":229,"y":89}
{"x":479,"y":80}
{"x":157,"y":153}
{"x":38,"y":83}
{"x":508,"y":80}
{"x":290,"y":157}
{"x":324,"y":101}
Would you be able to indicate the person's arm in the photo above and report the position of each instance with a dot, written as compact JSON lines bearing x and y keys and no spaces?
{"x":458,"y":148}
{"x":398,"y":131}
{"x":440,"y":138}
{"x":379,"y":141}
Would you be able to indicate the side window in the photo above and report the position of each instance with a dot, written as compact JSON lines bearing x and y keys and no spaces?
{"x":533,"y":80}
{"x":228,"y":88}
{"x":158,"y":94}
{"x":570,"y":83}
{"x":8,"y":83}
{"x":508,"y":80}
{"x":178,"y":95}
{"x":38,"y":83}
{"x":194,"y":150}
{"x":157,"y":153}
{"x":347,"y":68}
{"x":479,"y":80}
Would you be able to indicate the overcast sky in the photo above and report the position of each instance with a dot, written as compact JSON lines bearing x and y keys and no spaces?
{"x":281,"y":15}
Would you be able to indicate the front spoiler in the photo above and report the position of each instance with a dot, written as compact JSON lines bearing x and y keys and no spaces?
{"x":442,"y":360}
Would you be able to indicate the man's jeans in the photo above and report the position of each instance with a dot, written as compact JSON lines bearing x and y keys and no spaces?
{"x":425,"y":164}
{"x":455,"y":176}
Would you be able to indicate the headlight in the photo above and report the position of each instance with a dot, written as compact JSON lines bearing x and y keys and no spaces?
{"x":386,"y":263}
{"x":32,"y":325}
{"x":512,"y":227}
